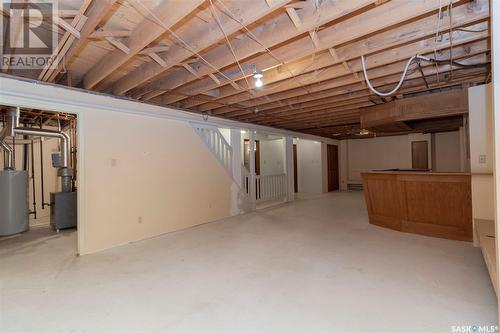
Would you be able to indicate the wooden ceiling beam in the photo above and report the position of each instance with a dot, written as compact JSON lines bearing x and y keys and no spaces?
{"x":350,"y":90}
{"x":342,"y":120}
{"x":416,"y":86}
{"x":331,"y":79}
{"x":118,"y":44}
{"x":326,"y":115}
{"x":64,"y":44}
{"x":343,"y":32}
{"x":15,"y":28}
{"x":270,"y":33}
{"x":382,"y":41}
{"x":199,"y":36}
{"x":346,"y":104}
{"x":101,"y":33}
{"x":68,"y":27}
{"x":332,"y":113}
{"x":159,"y":60}
{"x":292,"y":13}
{"x":341,"y":97}
{"x":96,"y":12}
{"x":464,"y":16}
{"x":383,"y":83}
{"x":144,"y":34}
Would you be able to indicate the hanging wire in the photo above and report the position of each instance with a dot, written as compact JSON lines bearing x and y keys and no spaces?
{"x":436,"y":39}
{"x":417,"y":58}
{"x":408,"y":63}
{"x":450,"y":37}
{"x":186,"y":45}
{"x":256,"y":39}
{"x":216,"y":17}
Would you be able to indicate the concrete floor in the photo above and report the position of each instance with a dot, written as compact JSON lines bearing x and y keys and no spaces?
{"x":314,"y":265}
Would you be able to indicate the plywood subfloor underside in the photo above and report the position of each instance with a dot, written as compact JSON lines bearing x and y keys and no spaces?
{"x":312,"y":265}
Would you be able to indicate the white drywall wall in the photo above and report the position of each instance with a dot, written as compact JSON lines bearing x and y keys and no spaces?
{"x":480,"y":128}
{"x":310,"y":166}
{"x":446,"y":157}
{"x":271,"y":157}
{"x":160,"y":179}
{"x":389,"y":152}
{"x":495,"y":97}
{"x":376,"y":154}
{"x":481,"y":151}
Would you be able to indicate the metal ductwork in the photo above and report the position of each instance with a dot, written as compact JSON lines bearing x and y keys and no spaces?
{"x":8,"y":130}
{"x":9,"y":165}
{"x":65,"y":172}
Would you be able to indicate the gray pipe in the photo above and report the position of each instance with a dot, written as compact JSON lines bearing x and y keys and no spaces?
{"x":65,"y":172}
{"x":10,"y":152}
{"x":65,"y":140}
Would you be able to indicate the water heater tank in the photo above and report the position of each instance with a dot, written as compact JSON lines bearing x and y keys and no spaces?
{"x":14,"y":210}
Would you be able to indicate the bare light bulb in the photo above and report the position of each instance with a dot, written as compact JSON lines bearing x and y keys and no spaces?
{"x":258,"y":83}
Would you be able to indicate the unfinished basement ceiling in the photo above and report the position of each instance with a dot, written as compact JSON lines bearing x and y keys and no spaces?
{"x":201,"y":55}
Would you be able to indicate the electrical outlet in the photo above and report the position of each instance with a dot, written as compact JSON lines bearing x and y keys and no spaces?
{"x":482,"y":159}
{"x":139,"y":220}
{"x":113,"y":162}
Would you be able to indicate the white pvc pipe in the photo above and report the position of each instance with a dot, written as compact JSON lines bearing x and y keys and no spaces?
{"x":400,"y":81}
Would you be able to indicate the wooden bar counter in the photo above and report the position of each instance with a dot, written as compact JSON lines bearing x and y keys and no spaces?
{"x":426,"y":203}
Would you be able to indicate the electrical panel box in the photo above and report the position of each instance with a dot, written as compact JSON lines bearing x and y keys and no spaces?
{"x":63,"y":210}
{"x":56,"y":160}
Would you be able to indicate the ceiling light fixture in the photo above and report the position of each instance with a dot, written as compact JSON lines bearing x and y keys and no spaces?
{"x":258,"y":76}
{"x":364,"y":132}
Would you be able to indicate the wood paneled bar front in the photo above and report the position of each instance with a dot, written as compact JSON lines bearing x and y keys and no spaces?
{"x":426,"y":203}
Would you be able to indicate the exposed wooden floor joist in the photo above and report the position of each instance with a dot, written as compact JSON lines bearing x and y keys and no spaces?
{"x":201,"y":55}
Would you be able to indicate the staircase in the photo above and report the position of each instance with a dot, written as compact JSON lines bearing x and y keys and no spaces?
{"x":223,"y":152}
{"x":217,"y":144}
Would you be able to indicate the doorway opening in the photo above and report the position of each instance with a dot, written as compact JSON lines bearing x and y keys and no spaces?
{"x":246,"y":156}
{"x":333,"y":168}
{"x":38,"y":183}
{"x":295,"y":171}
{"x":419,"y":155}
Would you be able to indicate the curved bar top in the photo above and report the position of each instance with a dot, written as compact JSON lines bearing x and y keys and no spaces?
{"x":426,"y":203}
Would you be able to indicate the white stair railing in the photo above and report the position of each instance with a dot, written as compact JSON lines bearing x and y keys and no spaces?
{"x":217,"y":144}
{"x":267,"y":188}
{"x":271,"y":187}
